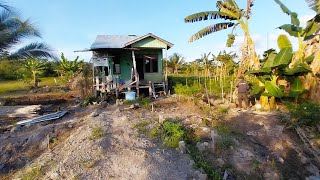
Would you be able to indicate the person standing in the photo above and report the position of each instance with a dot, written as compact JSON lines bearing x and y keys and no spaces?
{"x":243,"y":89}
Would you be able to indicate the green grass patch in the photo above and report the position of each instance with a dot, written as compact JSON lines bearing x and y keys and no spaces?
{"x":304,"y":114}
{"x":143,"y":102}
{"x":223,"y":109}
{"x":32,"y":174}
{"x":169,"y":132}
{"x":96,"y":133}
{"x":20,"y":85}
{"x":201,"y":162}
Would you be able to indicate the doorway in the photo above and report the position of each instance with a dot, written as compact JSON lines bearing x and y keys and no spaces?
{"x":140,"y":67}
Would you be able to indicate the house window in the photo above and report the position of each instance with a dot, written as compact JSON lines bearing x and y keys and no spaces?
{"x":116,"y":66}
{"x":151,"y":64}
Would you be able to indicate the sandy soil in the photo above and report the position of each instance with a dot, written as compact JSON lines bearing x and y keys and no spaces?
{"x":261,"y":147}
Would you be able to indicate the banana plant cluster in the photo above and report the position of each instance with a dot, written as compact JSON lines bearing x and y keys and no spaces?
{"x":277,"y":78}
{"x":286,"y":73}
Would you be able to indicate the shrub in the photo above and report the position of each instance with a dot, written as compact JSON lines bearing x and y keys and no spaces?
{"x":305,"y":114}
{"x":89,"y":100}
{"x":187,"y":90}
{"x":143,"y":102}
{"x":169,"y":132}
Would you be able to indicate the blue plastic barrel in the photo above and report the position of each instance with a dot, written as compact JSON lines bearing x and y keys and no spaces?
{"x":130,"y":96}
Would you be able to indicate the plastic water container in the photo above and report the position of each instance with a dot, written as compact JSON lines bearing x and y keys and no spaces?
{"x":130,"y":96}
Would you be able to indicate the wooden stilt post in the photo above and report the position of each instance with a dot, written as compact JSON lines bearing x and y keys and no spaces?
{"x":166,"y":75}
{"x":150,"y":89}
{"x":136,"y":75}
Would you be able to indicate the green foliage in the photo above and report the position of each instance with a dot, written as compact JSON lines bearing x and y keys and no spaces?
{"x":187,"y":90}
{"x":19,"y":85}
{"x":201,"y":162}
{"x":69,"y":68}
{"x":230,"y":40}
{"x":143,"y":102}
{"x":284,"y":42}
{"x":89,"y":101}
{"x":14,"y":30}
{"x":96,"y":133}
{"x":169,"y":132}
{"x":11,"y":70}
{"x":305,"y":113}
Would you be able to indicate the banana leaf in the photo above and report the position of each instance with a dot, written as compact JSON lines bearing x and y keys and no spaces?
{"x":296,"y":88}
{"x":264,"y":78}
{"x":309,"y":59}
{"x":270,"y":60}
{"x":261,"y":71}
{"x":292,"y":29}
{"x":273,"y":89}
{"x":294,"y":19}
{"x":300,"y":68}
{"x":283,"y":58}
{"x":284,"y":42}
{"x":312,"y":27}
{"x":257,"y":89}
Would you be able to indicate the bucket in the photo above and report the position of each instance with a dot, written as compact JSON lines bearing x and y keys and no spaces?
{"x":130,"y":96}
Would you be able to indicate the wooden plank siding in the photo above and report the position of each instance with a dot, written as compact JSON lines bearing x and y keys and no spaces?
{"x":149,"y":42}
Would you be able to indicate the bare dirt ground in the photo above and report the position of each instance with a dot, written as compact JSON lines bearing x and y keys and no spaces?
{"x":103,"y":142}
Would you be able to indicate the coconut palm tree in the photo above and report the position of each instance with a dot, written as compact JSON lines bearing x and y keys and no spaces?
{"x":234,"y":16}
{"x":13,"y":30}
{"x":175,"y":62}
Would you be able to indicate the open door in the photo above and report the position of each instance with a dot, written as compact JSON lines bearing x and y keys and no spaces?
{"x":140,"y":67}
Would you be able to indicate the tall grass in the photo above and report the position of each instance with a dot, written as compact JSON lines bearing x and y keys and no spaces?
{"x":20,"y":85}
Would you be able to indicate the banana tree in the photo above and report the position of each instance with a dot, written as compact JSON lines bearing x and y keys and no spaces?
{"x":234,"y":16}
{"x":35,"y":67}
{"x":308,"y":53}
{"x":277,"y":78}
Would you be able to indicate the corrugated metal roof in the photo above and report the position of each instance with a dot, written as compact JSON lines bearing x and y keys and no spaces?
{"x":112,"y":41}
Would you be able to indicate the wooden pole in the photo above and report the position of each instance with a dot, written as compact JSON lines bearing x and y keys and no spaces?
{"x":135,"y":72}
{"x":166,"y":75}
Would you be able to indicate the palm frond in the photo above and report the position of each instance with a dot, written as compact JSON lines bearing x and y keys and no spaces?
{"x":34,"y":50}
{"x":202,"y":16}
{"x":314,"y":5}
{"x":5,"y":6}
{"x":16,"y":32}
{"x":210,"y":29}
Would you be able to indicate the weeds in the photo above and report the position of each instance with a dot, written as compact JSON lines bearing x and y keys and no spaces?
{"x":89,"y":101}
{"x":89,"y":163}
{"x":143,"y":102}
{"x":33,"y":173}
{"x":169,"y":132}
{"x":96,"y":133}
{"x":305,"y":114}
{"x":223,"y":109}
{"x":201,"y":162}
{"x":142,"y":127}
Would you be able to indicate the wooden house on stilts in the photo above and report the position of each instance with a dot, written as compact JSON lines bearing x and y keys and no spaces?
{"x":129,"y":63}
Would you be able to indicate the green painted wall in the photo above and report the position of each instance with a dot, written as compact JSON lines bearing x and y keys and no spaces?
{"x":150,"y":42}
{"x":126,"y":65}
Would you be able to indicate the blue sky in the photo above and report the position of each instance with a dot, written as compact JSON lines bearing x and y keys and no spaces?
{"x":69,"y":25}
